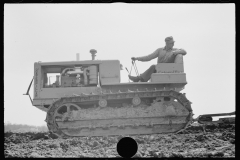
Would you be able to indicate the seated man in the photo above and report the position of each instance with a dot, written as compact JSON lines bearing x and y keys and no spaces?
{"x":166,"y":54}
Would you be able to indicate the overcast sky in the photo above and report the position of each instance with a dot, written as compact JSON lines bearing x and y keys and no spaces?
{"x":56,"y":32}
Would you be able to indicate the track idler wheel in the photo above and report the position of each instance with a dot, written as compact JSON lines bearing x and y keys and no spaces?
{"x":136,"y":101}
{"x":102,"y":103}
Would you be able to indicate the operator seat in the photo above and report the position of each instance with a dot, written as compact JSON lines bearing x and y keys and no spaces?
{"x":170,"y":72}
{"x":176,"y":67}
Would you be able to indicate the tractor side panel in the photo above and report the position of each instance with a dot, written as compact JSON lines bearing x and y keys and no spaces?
{"x":109,"y":72}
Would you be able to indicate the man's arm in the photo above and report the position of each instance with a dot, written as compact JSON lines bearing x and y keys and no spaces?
{"x":180,"y":51}
{"x":149,"y":57}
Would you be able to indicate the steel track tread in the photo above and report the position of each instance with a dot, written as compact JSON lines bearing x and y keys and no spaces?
{"x":90,"y":98}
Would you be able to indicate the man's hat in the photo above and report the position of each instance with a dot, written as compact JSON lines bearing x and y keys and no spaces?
{"x":169,"y":39}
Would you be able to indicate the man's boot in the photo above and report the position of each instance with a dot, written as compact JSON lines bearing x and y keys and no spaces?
{"x":136,"y":79}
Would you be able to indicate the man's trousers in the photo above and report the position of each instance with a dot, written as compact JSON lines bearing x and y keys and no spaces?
{"x":147,"y":74}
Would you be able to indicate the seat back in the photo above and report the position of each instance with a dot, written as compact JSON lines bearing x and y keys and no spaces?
{"x":176,"y":67}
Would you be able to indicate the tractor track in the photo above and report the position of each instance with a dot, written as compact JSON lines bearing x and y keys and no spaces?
{"x":129,"y":127}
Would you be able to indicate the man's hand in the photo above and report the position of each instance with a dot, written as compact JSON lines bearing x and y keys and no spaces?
{"x":134,"y":58}
{"x":179,"y":51}
{"x":175,"y":52}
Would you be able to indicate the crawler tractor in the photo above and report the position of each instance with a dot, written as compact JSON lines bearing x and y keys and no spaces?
{"x":86,"y":98}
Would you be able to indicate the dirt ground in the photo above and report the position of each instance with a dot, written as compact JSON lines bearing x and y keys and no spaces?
{"x":217,"y":141}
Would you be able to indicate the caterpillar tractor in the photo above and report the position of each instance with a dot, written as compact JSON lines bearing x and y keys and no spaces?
{"x":86,"y":98}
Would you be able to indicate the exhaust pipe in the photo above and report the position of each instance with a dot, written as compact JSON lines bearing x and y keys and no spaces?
{"x":93,"y":52}
{"x":77,"y":57}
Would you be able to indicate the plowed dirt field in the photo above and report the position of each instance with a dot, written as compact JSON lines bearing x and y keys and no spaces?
{"x":218,"y":141}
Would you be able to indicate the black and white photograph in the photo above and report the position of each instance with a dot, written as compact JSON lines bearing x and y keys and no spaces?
{"x":108,"y":80}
